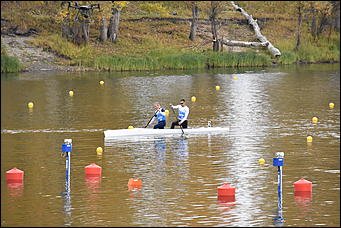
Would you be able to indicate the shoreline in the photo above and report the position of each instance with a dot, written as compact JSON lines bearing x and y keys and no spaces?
{"x":37,"y":60}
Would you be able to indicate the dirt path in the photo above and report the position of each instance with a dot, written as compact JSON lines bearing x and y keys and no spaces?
{"x":33,"y":58}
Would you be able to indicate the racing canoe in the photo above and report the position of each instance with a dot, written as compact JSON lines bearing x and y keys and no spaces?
{"x":150,"y":131}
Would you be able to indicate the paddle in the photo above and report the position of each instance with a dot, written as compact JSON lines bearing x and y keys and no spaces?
{"x":179,"y":124}
{"x":150,"y":120}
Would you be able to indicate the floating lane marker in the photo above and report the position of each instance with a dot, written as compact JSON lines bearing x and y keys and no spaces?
{"x":261,"y":161}
{"x":134,"y":184}
{"x":303,"y":185}
{"x":193,"y":99}
{"x":93,"y":170}
{"x":99,"y":150}
{"x":14,"y":175}
{"x":30,"y":105}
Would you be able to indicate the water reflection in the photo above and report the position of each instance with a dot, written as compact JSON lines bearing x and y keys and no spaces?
{"x":93,"y":183}
{"x":67,"y":204}
{"x":181,"y":149}
{"x":279,"y":219}
{"x":15,"y":189}
{"x":304,"y":202}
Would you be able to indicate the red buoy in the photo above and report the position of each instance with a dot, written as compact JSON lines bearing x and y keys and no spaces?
{"x":226,"y":199}
{"x":303,"y":195}
{"x":93,"y":170}
{"x":14,"y":175}
{"x":226,"y":190}
{"x":134,"y":183}
{"x":303,"y":185}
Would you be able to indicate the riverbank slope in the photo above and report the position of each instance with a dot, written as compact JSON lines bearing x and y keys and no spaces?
{"x":149,"y":40}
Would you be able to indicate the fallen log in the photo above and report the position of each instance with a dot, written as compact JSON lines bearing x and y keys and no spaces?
{"x":244,"y":43}
{"x":256,"y":28}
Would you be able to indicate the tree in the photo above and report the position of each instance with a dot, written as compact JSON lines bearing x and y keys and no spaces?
{"x":299,"y":24}
{"x":194,"y":23}
{"x":115,"y":19}
{"x":215,"y":8}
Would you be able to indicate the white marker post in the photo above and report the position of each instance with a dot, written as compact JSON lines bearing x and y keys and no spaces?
{"x":279,"y":162}
{"x":67,"y":148}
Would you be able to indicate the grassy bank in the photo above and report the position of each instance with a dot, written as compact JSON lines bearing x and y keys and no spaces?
{"x":157,"y":45}
{"x":9,"y":64}
{"x":160,"y":57}
{"x":324,"y":50}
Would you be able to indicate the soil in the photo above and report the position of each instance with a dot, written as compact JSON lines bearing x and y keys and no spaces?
{"x":34,"y":59}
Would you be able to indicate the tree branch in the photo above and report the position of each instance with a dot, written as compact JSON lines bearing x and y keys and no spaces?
{"x":256,"y":28}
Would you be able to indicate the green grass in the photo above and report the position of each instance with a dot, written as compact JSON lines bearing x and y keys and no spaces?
{"x":9,"y":64}
{"x":184,"y":60}
{"x":323,"y":49}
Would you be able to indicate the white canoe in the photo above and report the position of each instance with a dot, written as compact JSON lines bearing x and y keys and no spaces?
{"x":150,"y":131}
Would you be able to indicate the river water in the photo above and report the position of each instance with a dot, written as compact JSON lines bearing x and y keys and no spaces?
{"x":267,"y":110}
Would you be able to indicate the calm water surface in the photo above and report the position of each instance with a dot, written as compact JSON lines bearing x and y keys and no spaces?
{"x":267,"y":110}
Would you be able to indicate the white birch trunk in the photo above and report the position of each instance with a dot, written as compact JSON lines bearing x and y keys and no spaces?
{"x":244,"y":43}
{"x":256,"y":28}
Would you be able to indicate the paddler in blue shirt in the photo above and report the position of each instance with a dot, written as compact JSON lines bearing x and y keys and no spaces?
{"x":160,"y":115}
{"x":182,"y":114}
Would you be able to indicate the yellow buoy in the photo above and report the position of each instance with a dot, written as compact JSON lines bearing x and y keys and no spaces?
{"x":71,"y":93}
{"x":309,"y":139}
{"x":167,"y":112}
{"x":30,"y":105}
{"x":130,"y":127}
{"x":234,"y":78}
{"x":314,"y":119}
{"x":193,"y":98}
{"x":217,"y":87}
{"x":261,"y":161}
{"x":331,"y":105}
{"x":101,"y":82}
{"x":99,"y":150}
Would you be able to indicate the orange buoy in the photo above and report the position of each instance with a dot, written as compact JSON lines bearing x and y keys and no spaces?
{"x":134,"y":183}
{"x":93,"y":170}
{"x":302,"y":185}
{"x":226,"y":190}
{"x":14,"y":175}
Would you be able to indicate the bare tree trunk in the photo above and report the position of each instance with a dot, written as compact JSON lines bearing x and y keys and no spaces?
{"x":256,"y":28}
{"x":336,"y":15}
{"x":194,"y":24}
{"x":322,"y":25}
{"x":214,"y":30}
{"x":66,"y":29}
{"x":113,"y":26}
{"x":313,"y":27}
{"x":243,"y":43}
{"x":85,"y":30}
{"x":77,"y":33}
{"x":103,"y":30}
{"x":298,"y":36}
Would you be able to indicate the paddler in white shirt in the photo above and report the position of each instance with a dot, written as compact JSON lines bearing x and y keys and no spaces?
{"x":183,"y":112}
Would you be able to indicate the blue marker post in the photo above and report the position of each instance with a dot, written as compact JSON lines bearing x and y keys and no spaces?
{"x":279,"y":162}
{"x":66,"y":150}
